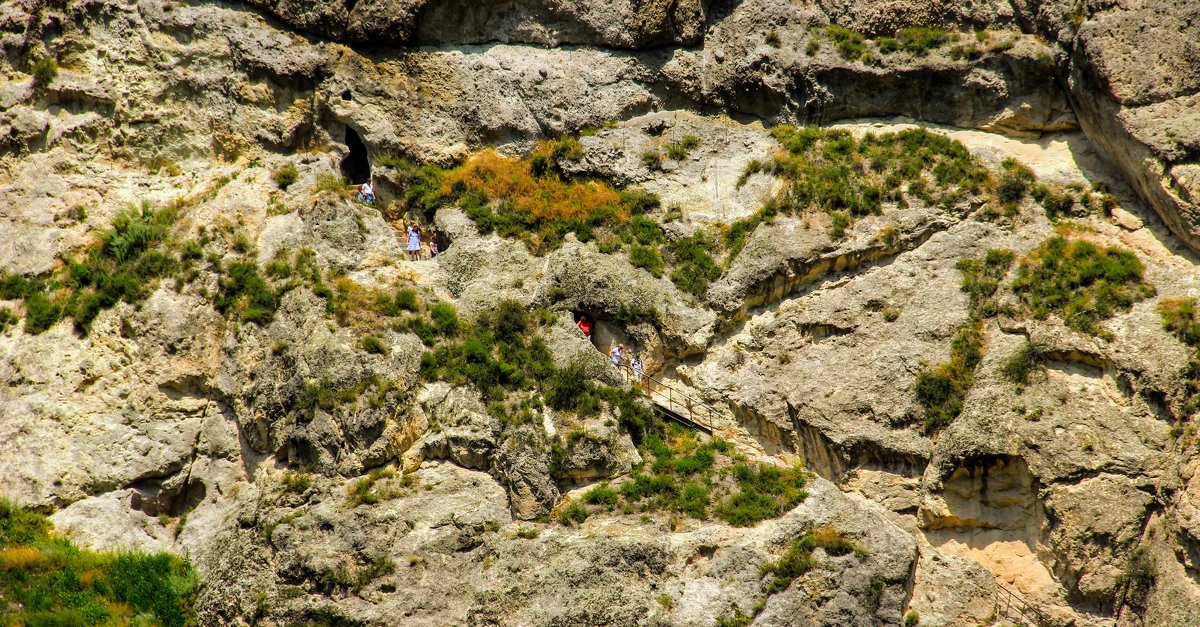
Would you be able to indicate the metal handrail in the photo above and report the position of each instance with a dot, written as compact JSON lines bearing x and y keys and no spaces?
{"x":689,"y":403}
{"x":1013,"y":602}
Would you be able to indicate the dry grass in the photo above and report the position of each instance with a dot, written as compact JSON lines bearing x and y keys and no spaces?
{"x":545,"y":199}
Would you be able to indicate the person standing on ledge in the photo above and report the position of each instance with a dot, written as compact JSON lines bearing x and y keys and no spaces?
{"x":585,"y":325}
{"x":414,"y":243}
{"x":615,"y":354}
{"x":637,"y":366}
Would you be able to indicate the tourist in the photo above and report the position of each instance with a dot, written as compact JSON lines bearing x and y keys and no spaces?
{"x":637,"y":366}
{"x":585,"y":325}
{"x":615,"y":354}
{"x":433,"y":246}
{"x":414,"y":243}
{"x":366,"y":193}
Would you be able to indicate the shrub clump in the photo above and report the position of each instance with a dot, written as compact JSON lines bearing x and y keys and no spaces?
{"x":127,"y":257}
{"x":285,"y":176}
{"x":46,"y":580}
{"x":800,"y":558}
{"x":1080,"y":282}
{"x":44,"y":71}
{"x":942,"y":389}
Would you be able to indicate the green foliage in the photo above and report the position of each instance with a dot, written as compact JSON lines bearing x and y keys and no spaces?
{"x":799,"y":558}
{"x":1080,"y":282}
{"x":1018,"y":366}
{"x":1056,"y":204}
{"x":772,"y":39}
{"x":284,"y":176}
{"x":7,"y":319}
{"x":405,"y":300}
{"x":495,"y":355}
{"x":373,"y":345}
{"x":574,"y":512}
{"x":981,"y":279}
{"x":601,"y":495}
{"x":1014,"y":183}
{"x":754,"y":167}
{"x":1137,"y":578}
{"x":527,"y":533}
{"x":678,"y":150}
{"x":812,"y":47}
{"x":44,"y":71}
{"x":912,"y":618}
{"x":49,"y":581}
{"x":297,"y":482}
{"x":849,"y":44}
{"x":117,"y":269}
{"x":243,"y":292}
{"x":445,"y":319}
{"x":941,"y":390}
{"x":646,"y":257}
{"x":652,"y":160}
{"x":920,"y":40}
{"x":330,"y":182}
{"x":737,"y":618}
{"x":838,"y":222}
{"x":694,"y":266}
{"x":763,"y":493}
{"x":832,"y":171}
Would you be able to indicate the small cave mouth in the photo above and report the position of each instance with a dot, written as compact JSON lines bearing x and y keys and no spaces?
{"x":347,"y":96}
{"x":356,"y":167}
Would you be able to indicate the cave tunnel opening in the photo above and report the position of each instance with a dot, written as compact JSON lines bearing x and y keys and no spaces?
{"x":356,"y":167}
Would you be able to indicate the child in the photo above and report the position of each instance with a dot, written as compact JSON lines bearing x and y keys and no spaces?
{"x":414,"y":243}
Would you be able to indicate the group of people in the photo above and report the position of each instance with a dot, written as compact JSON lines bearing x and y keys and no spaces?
{"x":414,"y":242}
{"x":616,"y":353}
{"x":366,"y":194}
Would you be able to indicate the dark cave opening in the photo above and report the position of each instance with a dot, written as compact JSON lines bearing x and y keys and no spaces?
{"x":356,"y":167}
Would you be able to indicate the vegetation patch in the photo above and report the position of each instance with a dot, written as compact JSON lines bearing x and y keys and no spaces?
{"x":832,"y":171}
{"x":1080,"y":282}
{"x":117,"y":268}
{"x":701,"y":480}
{"x":1179,"y":317}
{"x":46,"y":580}
{"x":942,"y":389}
{"x":800,"y":557}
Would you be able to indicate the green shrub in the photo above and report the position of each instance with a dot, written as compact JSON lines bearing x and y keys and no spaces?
{"x":297,"y":482}
{"x":601,"y":495}
{"x":942,"y":390}
{"x":920,"y":40}
{"x":405,"y":300}
{"x":812,"y":47}
{"x":243,"y":291}
{"x":763,"y":493}
{"x":285,"y":176}
{"x":44,"y":71}
{"x":646,"y":257}
{"x":1179,"y":317}
{"x":772,"y":39}
{"x":912,"y":618}
{"x":849,"y":44}
{"x":838,"y":223}
{"x":574,"y":512}
{"x":1017,"y":367}
{"x":329,"y":182}
{"x":1080,"y":282}
{"x":652,"y":160}
{"x":445,"y":319}
{"x":527,"y":533}
{"x":799,"y":558}
{"x":49,"y":581}
{"x":754,"y":167}
{"x":373,"y":345}
{"x":695,"y":267}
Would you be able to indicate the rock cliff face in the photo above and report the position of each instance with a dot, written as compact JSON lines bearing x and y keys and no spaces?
{"x":313,"y":476}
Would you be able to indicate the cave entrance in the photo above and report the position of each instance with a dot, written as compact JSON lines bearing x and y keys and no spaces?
{"x":356,"y":167}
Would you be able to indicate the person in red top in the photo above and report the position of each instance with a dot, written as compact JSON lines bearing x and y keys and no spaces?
{"x":585,"y":325}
